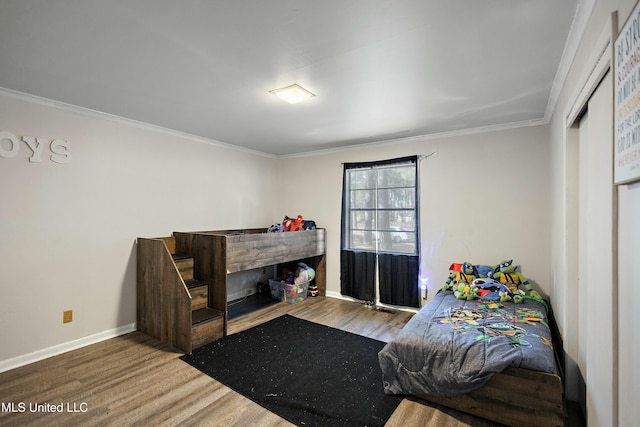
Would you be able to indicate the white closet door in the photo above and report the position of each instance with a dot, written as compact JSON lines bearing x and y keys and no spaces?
{"x":597,"y":354}
{"x":628,"y":307}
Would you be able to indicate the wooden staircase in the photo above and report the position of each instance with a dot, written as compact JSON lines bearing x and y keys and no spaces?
{"x":173,"y":302}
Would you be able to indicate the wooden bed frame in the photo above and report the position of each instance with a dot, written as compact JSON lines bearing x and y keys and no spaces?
{"x":229,"y":251}
{"x":517,"y":396}
{"x":187,"y":315}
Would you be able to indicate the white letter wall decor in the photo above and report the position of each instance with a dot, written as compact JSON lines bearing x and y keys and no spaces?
{"x":61,"y":151}
{"x":36,"y":145}
{"x":10,"y":146}
{"x":13,"y":140}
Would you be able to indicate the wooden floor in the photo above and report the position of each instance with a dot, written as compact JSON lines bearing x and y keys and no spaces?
{"x":135,"y":380}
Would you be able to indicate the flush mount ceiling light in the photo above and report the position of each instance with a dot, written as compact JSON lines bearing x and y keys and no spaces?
{"x":292,"y":94}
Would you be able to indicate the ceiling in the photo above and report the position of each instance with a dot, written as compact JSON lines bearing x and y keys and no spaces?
{"x":381,"y":70}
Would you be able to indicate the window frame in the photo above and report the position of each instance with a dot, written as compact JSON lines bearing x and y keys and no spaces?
{"x":385,"y":237}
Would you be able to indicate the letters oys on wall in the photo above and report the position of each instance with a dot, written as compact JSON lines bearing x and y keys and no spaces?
{"x":58,"y":150}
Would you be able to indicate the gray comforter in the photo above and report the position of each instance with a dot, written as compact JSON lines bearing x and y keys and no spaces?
{"x":453,"y":346}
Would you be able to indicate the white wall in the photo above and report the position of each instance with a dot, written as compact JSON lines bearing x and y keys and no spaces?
{"x":629,"y":334}
{"x":611,"y":378}
{"x":483,"y":199}
{"x":68,"y":231}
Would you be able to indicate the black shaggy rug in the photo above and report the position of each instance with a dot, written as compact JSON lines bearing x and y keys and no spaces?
{"x":309,"y":374}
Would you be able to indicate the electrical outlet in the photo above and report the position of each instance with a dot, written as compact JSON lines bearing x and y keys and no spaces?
{"x":67,"y":316}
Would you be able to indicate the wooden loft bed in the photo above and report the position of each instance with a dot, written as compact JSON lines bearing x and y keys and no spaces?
{"x":231,"y":251}
{"x":182,"y":279}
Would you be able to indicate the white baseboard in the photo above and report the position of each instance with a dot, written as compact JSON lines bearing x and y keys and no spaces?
{"x":55,"y":350}
{"x":338,"y":295}
{"x":45,"y":353}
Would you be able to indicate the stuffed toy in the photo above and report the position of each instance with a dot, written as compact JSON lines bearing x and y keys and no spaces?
{"x":288,"y":276}
{"x":466,"y":291}
{"x":518,"y":297}
{"x":506,"y":273}
{"x":308,"y":224}
{"x":304,"y":273}
{"x":464,"y":275}
{"x":505,"y":266}
{"x":455,"y":267}
{"x":293,"y":224}
{"x":497,"y":283}
{"x":298,"y":223}
{"x":492,"y":290}
{"x":275,"y":228}
{"x":483,"y":271}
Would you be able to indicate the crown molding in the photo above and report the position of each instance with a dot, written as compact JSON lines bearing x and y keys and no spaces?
{"x":578,"y":27}
{"x":87,"y":112}
{"x":422,"y":138}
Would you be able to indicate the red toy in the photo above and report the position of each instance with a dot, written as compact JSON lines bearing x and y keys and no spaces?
{"x":293,"y":224}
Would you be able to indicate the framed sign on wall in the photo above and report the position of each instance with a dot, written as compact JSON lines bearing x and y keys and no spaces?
{"x":626,"y":155}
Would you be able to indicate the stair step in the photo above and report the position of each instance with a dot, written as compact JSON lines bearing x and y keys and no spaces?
{"x":207,"y":326}
{"x":194,"y":283}
{"x":185,"y":266}
{"x":170,"y":242}
{"x":204,"y":315}
{"x":199,"y":295}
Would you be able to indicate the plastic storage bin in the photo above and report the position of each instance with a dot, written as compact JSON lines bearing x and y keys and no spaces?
{"x":289,"y":293}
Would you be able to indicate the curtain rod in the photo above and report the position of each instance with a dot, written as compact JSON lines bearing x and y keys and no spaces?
{"x":420,"y":157}
{"x":426,"y":156}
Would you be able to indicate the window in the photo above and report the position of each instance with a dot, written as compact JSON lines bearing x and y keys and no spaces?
{"x":379,"y":258}
{"x":380,"y":208}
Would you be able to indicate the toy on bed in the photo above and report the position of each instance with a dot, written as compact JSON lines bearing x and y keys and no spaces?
{"x":275,"y":228}
{"x":466,"y":291}
{"x":484,"y":270}
{"x":459,"y":274}
{"x":292,"y":224}
{"x":473,"y":349}
{"x":500,"y":282}
{"x":506,"y":273}
{"x":492,"y":290}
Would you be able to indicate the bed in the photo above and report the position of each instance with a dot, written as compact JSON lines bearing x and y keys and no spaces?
{"x":182,"y":278}
{"x":489,"y":358}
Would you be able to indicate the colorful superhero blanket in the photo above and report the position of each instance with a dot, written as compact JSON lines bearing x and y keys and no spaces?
{"x":453,"y":346}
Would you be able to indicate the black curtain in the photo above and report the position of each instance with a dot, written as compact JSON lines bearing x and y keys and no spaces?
{"x":358,"y":274}
{"x":398,"y":279}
